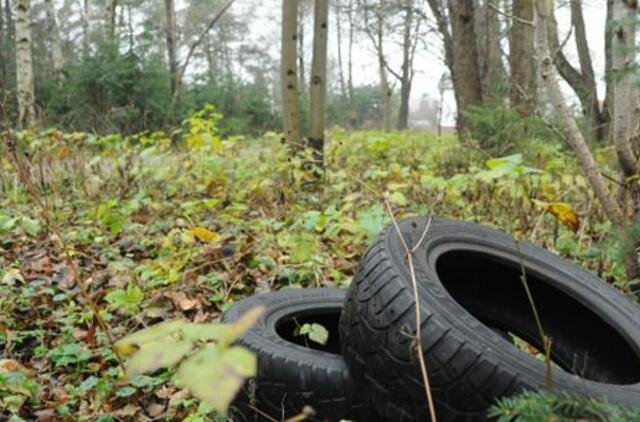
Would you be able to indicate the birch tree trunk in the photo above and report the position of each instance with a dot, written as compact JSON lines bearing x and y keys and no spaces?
{"x":318,"y":87}
{"x":288,"y":73}
{"x":170,"y":36}
{"x":24,"y":66}
{"x":625,"y":92}
{"x":523,"y":82}
{"x":54,"y":39}
{"x":302,"y":80}
{"x":464,"y":56}
{"x":343,"y":85}
{"x":572,"y":134}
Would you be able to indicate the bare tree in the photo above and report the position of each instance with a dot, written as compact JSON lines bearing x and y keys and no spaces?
{"x":582,"y":80}
{"x":490,"y":52}
{"x":573,"y":135}
{"x":341,"y":77}
{"x":521,"y":58}
{"x":54,"y":40}
{"x":411,"y":31}
{"x":318,"y":79}
{"x":24,"y":66}
{"x":288,"y":73}
{"x":85,"y":17}
{"x":464,"y":56}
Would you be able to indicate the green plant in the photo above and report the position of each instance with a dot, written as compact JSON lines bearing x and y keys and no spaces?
{"x":544,"y":406}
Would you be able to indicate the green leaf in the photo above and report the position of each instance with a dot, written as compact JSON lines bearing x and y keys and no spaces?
{"x":215,"y":376}
{"x":30,"y":226}
{"x":302,"y":248}
{"x":126,"y":392}
{"x":155,"y":355}
{"x":315,"y":332}
{"x":127,"y":301}
{"x":7,"y":223}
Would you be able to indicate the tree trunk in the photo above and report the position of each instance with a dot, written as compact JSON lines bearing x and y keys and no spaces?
{"x":443,"y":27}
{"x":343,"y":85}
{"x":24,"y":66}
{"x":582,"y":81}
{"x":572,"y":134}
{"x":318,"y":87}
{"x":522,"y":89}
{"x":85,"y":26}
{"x":111,"y":6}
{"x":54,"y":39}
{"x":302,"y":80}
{"x":385,"y":89}
{"x":493,"y":73}
{"x":465,"y":74}
{"x":607,"y":105}
{"x":170,"y":35}
{"x":350,"y":53}
{"x":288,"y":73}
{"x":3,"y":59}
{"x":625,"y":93}
{"x":405,"y":80}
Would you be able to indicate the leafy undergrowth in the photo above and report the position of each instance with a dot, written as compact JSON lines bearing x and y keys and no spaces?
{"x":184,"y":224}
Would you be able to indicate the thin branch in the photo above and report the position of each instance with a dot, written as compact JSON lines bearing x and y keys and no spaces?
{"x":510,"y":16}
{"x":417,"y":307}
{"x":197,"y":42}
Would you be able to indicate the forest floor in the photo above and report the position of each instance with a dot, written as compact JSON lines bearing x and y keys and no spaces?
{"x":162,"y":230}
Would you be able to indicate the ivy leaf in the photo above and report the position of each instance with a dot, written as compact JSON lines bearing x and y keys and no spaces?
{"x":30,"y":226}
{"x":215,"y":376}
{"x":302,"y":248}
{"x":7,"y":223}
{"x":152,"y":356}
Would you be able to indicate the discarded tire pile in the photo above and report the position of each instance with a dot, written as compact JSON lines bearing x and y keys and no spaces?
{"x":476,"y":315}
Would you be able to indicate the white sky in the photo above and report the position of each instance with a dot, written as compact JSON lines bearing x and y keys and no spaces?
{"x":264,"y":31}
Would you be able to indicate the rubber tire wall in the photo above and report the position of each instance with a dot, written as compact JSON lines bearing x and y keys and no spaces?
{"x":291,"y":376}
{"x":469,"y":364}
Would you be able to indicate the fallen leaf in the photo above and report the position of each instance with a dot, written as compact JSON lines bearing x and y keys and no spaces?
{"x":564,"y":213}
{"x":205,"y":235}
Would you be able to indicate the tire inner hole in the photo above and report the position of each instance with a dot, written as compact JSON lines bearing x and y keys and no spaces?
{"x":583,"y":344}
{"x":288,"y":327}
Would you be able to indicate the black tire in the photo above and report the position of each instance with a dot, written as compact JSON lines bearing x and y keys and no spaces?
{"x":290,"y":374}
{"x":469,"y":285}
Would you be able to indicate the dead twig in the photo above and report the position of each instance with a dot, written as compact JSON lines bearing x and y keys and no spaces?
{"x":416,"y":298}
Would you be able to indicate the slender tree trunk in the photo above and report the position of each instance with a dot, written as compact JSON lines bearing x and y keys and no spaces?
{"x":54,"y":39}
{"x":522,"y":91}
{"x":288,"y":73}
{"x":318,"y":87}
{"x":464,"y":56}
{"x":343,"y":85}
{"x":573,"y":135}
{"x":385,"y":89}
{"x":405,"y":80}
{"x":8,"y":49}
{"x":85,"y":25}
{"x":302,"y":80}
{"x":350,"y":53}
{"x":625,"y":94}
{"x":3,"y":59}
{"x":591,"y":106}
{"x":111,"y":6}
{"x":607,"y":105}
{"x":24,"y":66}
{"x":170,"y":35}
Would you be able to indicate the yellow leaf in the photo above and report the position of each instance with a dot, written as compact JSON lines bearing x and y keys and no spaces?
{"x":205,"y":235}
{"x":564,"y":213}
